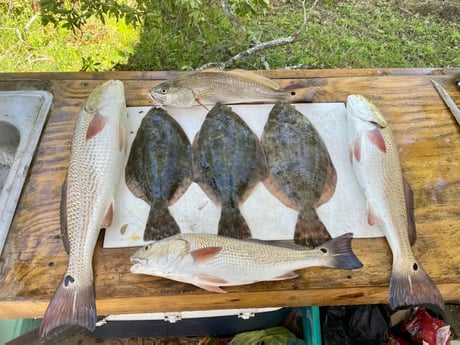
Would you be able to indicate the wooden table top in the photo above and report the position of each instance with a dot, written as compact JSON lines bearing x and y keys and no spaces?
{"x":34,"y":260}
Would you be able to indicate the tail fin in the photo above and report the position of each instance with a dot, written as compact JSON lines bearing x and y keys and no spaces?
{"x":160,"y":223}
{"x":411,"y":285}
{"x":309,"y":230}
{"x":232,"y":223}
{"x":71,"y":305}
{"x":340,"y":253}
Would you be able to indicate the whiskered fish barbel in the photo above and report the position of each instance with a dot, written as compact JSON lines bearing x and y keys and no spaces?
{"x":98,"y":154}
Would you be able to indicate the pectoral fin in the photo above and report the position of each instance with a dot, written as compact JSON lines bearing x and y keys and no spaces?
{"x":376,"y":138}
{"x":372,"y":219}
{"x":96,"y":125}
{"x":204,"y":254}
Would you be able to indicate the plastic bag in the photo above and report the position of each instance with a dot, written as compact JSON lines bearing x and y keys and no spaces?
{"x":355,"y":325}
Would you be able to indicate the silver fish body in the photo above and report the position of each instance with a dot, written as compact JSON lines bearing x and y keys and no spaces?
{"x":98,"y":153}
{"x":226,"y":87}
{"x":210,"y":261}
{"x":375,"y":161}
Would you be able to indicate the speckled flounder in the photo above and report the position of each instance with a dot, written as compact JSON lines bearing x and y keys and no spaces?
{"x":229,"y":162}
{"x":159,"y":170}
{"x":302,"y":175}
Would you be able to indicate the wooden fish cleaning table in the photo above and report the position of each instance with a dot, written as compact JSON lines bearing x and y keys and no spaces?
{"x":34,"y":260}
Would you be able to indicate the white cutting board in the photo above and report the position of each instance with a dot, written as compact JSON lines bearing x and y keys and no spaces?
{"x":267,"y":218}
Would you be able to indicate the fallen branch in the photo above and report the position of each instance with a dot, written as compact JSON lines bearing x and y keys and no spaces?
{"x":259,"y":46}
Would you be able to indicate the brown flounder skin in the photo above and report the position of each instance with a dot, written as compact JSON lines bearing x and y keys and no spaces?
{"x":229,"y":162}
{"x":302,"y":175}
{"x":159,"y":170}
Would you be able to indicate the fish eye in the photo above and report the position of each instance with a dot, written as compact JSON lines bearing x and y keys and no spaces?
{"x":163,"y":91}
{"x":146,"y":247}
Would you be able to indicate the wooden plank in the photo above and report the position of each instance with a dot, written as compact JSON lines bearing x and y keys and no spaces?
{"x":34,"y":260}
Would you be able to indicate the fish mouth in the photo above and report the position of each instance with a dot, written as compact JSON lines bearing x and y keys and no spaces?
{"x":138,"y":261}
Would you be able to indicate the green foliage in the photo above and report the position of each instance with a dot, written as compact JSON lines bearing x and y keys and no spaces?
{"x":186,"y":34}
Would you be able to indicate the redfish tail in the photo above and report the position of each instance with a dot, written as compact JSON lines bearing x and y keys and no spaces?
{"x":310,"y":230}
{"x":71,"y":305}
{"x":411,"y":286}
{"x":232,"y":223}
{"x":340,"y":253}
{"x":160,"y":223}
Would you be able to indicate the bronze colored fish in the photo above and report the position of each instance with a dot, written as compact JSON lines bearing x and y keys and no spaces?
{"x":210,"y":261}
{"x":229,"y":162}
{"x":159,"y":170}
{"x":375,"y":161}
{"x":302,"y":175}
{"x":97,"y":156}
{"x":227,"y":87}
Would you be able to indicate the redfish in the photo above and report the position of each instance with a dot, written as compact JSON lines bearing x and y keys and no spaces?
{"x":227,"y":87}
{"x":98,"y":153}
{"x":210,"y":261}
{"x":375,"y":160}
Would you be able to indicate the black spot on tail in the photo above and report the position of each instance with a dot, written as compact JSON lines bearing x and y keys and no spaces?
{"x":68,"y":279}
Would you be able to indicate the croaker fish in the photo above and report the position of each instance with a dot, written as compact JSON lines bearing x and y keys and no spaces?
{"x":227,"y":87}
{"x":375,"y":161}
{"x":209,"y":261}
{"x":159,"y":170}
{"x":98,"y":153}
{"x":229,"y":162}
{"x":302,"y":175}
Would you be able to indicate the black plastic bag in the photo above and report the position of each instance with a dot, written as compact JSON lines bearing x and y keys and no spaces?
{"x":355,"y":325}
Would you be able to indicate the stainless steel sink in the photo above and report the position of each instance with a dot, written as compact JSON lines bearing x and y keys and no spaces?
{"x":22,"y":117}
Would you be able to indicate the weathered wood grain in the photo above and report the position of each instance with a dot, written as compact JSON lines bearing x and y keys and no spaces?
{"x":428,"y":138}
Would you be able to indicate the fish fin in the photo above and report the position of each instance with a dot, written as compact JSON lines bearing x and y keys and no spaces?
{"x":204,"y":254}
{"x":376,"y":138}
{"x":96,"y":125}
{"x":72,"y":305}
{"x":329,"y":185}
{"x":340,"y":253}
{"x":207,"y":282}
{"x":411,"y":285}
{"x":357,"y":148}
{"x":274,"y":187}
{"x":277,"y":243}
{"x":289,"y":275}
{"x":134,"y":187}
{"x":372,"y":219}
{"x":121,"y":138}
{"x":63,"y":216}
{"x":310,"y":230}
{"x":232,"y":223}
{"x":303,"y":94}
{"x":180,"y":190}
{"x":202,"y":104}
{"x":160,"y":222}
{"x":108,"y":218}
{"x":409,"y":196}
{"x":257,"y":78}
